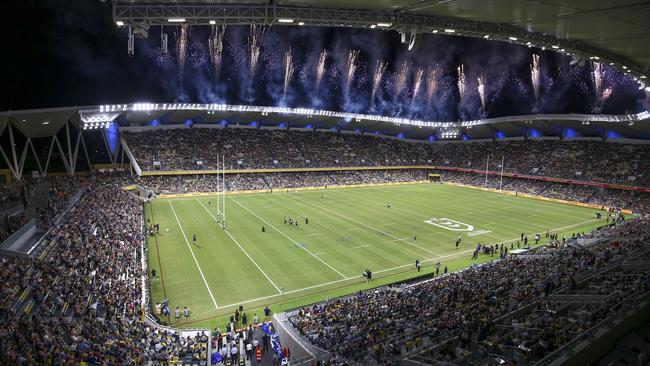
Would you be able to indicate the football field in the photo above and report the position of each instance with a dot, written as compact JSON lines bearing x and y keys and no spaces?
{"x":348,"y":230}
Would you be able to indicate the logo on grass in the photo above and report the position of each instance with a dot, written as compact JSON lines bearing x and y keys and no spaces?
{"x":449,"y":224}
{"x":478,"y":232}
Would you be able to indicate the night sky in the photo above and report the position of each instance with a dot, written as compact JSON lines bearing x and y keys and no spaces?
{"x":62,"y":53}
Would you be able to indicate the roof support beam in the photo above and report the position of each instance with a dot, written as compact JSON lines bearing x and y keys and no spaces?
{"x":111,"y":157}
{"x":6,"y":159}
{"x":64,"y":158}
{"x":13,"y":151}
{"x":21,"y":165}
{"x":38,"y":161}
{"x":49,"y":156}
{"x":83,"y":143}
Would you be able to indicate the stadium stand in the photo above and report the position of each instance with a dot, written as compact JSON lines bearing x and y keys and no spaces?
{"x":58,"y":308}
{"x":179,"y":149}
{"x":523,"y":308}
{"x":635,"y":201}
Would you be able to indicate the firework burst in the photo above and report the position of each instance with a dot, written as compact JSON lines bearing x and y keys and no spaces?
{"x":182,"y":47}
{"x":598,"y":77}
{"x":351,"y":69}
{"x":400,"y":78}
{"x":461,"y":82}
{"x":481,"y":91}
{"x":432,"y":83}
{"x":288,"y":70}
{"x":419,"y":74}
{"x":376,"y":80}
{"x":254,"y":44}
{"x":320,"y":69}
{"x":216,"y":49}
{"x":534,"y":76}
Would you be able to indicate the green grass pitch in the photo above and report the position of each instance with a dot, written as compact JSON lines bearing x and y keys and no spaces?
{"x":349,"y":230}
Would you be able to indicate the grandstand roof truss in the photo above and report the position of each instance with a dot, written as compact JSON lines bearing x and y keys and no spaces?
{"x":59,"y":134}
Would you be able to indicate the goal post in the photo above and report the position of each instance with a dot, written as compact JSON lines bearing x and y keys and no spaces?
{"x":221,"y":191}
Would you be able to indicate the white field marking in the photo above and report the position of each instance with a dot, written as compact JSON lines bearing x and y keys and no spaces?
{"x":314,"y":234}
{"x":286,"y":236}
{"x":388,"y":224}
{"x":368,"y":226}
{"x":242,"y":249}
{"x":319,"y":253}
{"x":352,"y":228}
{"x":402,"y":239}
{"x":193,"y":256}
{"x":360,"y":246}
{"x":426,"y":260}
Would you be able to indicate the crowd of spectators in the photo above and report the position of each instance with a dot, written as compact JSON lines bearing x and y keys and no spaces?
{"x":614,"y":198}
{"x":181,"y":149}
{"x":390,"y":322}
{"x":166,"y":184}
{"x":9,"y":224}
{"x":9,"y":197}
{"x":79,"y":299}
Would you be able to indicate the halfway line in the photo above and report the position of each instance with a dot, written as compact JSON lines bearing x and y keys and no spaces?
{"x":368,"y":226}
{"x":283,"y":234}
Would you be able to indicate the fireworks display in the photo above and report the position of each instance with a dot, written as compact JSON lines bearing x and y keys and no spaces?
{"x":351,"y":69}
{"x":481,"y":91}
{"x":417,"y":83}
{"x":320,"y":69}
{"x":248,"y":65}
{"x":534,"y":76}
{"x":376,"y":79}
{"x":432,"y":83}
{"x":182,"y":47}
{"x":400,"y":78}
{"x":215,"y":44}
{"x":288,"y":70}
{"x":461,"y":82}
{"x":254,"y":40}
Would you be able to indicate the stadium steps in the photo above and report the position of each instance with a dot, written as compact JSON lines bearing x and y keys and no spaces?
{"x":329,"y":176}
{"x":620,"y":356}
{"x":635,"y":342}
{"x":268,"y":186}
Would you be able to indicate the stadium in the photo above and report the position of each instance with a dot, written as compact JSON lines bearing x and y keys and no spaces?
{"x":287,"y":182}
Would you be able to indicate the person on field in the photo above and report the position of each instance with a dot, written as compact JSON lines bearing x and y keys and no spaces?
{"x":418,"y":264}
{"x":186,"y":313}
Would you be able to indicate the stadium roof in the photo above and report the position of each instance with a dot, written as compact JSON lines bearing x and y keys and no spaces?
{"x":46,"y":122}
{"x":616,"y":31}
